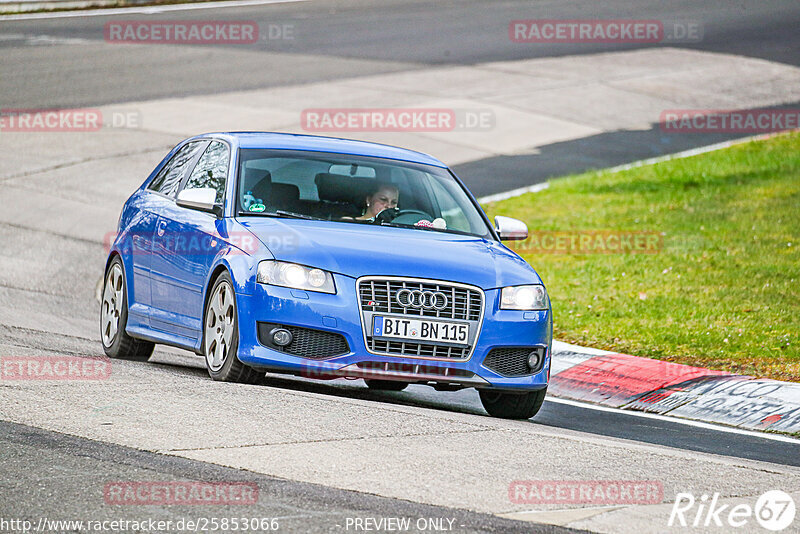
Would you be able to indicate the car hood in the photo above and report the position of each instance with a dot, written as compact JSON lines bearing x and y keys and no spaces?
{"x":358,"y":250}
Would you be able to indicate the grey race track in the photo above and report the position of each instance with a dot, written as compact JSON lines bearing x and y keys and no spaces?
{"x":319,"y":451}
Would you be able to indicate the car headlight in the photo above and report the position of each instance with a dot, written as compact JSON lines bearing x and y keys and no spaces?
{"x":281,"y":273}
{"x":533,"y":297}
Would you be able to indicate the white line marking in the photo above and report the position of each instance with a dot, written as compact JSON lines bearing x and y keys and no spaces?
{"x":562,"y":346}
{"x":673,"y":419}
{"x":47,"y":40}
{"x":692,"y":152}
{"x":145,"y":10}
{"x":535,"y":188}
{"x":640,"y":163}
{"x":567,"y":515}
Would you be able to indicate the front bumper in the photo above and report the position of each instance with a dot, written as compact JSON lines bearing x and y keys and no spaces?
{"x":339,"y":314}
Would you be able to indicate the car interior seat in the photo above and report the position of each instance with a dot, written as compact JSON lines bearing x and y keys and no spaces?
{"x":284,"y":197}
{"x":341,"y":195}
{"x":259,"y":182}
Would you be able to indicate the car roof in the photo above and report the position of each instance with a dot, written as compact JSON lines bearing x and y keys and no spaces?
{"x":315,"y":143}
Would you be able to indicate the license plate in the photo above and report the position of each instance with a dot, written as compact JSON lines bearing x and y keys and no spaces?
{"x":420,"y":330}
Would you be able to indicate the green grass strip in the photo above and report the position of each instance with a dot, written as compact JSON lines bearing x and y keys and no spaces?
{"x":720,"y":286}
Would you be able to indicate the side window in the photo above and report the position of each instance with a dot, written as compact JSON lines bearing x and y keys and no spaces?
{"x":212,"y":170}
{"x":451,"y":212}
{"x":169,"y":178}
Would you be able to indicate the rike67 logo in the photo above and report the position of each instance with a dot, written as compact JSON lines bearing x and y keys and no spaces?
{"x":774,"y":510}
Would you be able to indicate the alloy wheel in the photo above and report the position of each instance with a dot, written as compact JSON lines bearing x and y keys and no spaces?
{"x":219,"y":327}
{"x":112,"y":305}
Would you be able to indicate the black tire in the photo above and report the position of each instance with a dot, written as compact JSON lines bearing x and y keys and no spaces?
{"x":385,"y":385}
{"x":114,"y":307}
{"x":512,"y":405}
{"x":228,"y":368}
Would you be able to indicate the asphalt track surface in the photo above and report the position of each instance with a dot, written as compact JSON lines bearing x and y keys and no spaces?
{"x":332,"y":38}
{"x":62,"y":62}
{"x":41,"y":468}
{"x":49,"y":472}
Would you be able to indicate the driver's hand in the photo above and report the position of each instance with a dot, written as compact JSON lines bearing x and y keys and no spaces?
{"x":386,"y":215}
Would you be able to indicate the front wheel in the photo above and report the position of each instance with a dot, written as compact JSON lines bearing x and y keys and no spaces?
{"x":221,"y":336}
{"x":512,"y":405}
{"x":114,"y":318}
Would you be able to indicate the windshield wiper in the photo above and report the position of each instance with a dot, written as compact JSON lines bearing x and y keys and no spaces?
{"x":429,"y":229}
{"x":294,"y":215}
{"x":282,"y":213}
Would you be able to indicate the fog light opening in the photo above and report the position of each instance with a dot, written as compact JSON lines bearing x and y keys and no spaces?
{"x":534,"y":359}
{"x":281,"y":336}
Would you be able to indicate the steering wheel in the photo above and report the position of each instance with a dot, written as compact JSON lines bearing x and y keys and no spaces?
{"x":401,"y":216}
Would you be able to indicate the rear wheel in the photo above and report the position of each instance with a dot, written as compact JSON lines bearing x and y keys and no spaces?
{"x":385,"y":385}
{"x":512,"y":405}
{"x":114,"y":318}
{"x":221,"y":336}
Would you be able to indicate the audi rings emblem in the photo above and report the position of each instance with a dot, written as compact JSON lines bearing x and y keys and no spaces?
{"x":428,"y":300}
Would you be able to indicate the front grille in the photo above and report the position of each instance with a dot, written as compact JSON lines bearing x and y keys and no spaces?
{"x":414,"y":369}
{"x":306,"y":342}
{"x":512,"y":361}
{"x":463,"y":304}
{"x":379,"y":296}
{"x":423,"y":350}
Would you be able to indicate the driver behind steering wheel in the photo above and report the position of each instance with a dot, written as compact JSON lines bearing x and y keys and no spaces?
{"x":383,"y":195}
{"x":381,"y":207}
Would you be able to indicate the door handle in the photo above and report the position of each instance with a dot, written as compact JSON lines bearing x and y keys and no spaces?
{"x":160,"y":228}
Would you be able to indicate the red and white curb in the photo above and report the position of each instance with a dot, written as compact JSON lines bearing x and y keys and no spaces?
{"x":643,"y":384}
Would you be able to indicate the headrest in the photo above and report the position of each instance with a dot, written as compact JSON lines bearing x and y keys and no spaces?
{"x":343,"y":188}
{"x":285,"y":192}
{"x":252,"y":177}
{"x":259,"y":182}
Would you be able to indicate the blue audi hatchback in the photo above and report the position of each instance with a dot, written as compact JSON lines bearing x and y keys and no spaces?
{"x":326,"y":258}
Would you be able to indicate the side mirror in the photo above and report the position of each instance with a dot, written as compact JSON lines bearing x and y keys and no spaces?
{"x":510,"y":229}
{"x":201,"y":199}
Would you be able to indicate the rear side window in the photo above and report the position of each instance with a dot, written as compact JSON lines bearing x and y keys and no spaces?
{"x":169,"y":179}
{"x":212,"y":170}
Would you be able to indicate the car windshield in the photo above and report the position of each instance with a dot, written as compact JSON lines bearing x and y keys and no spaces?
{"x":354,"y":189}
